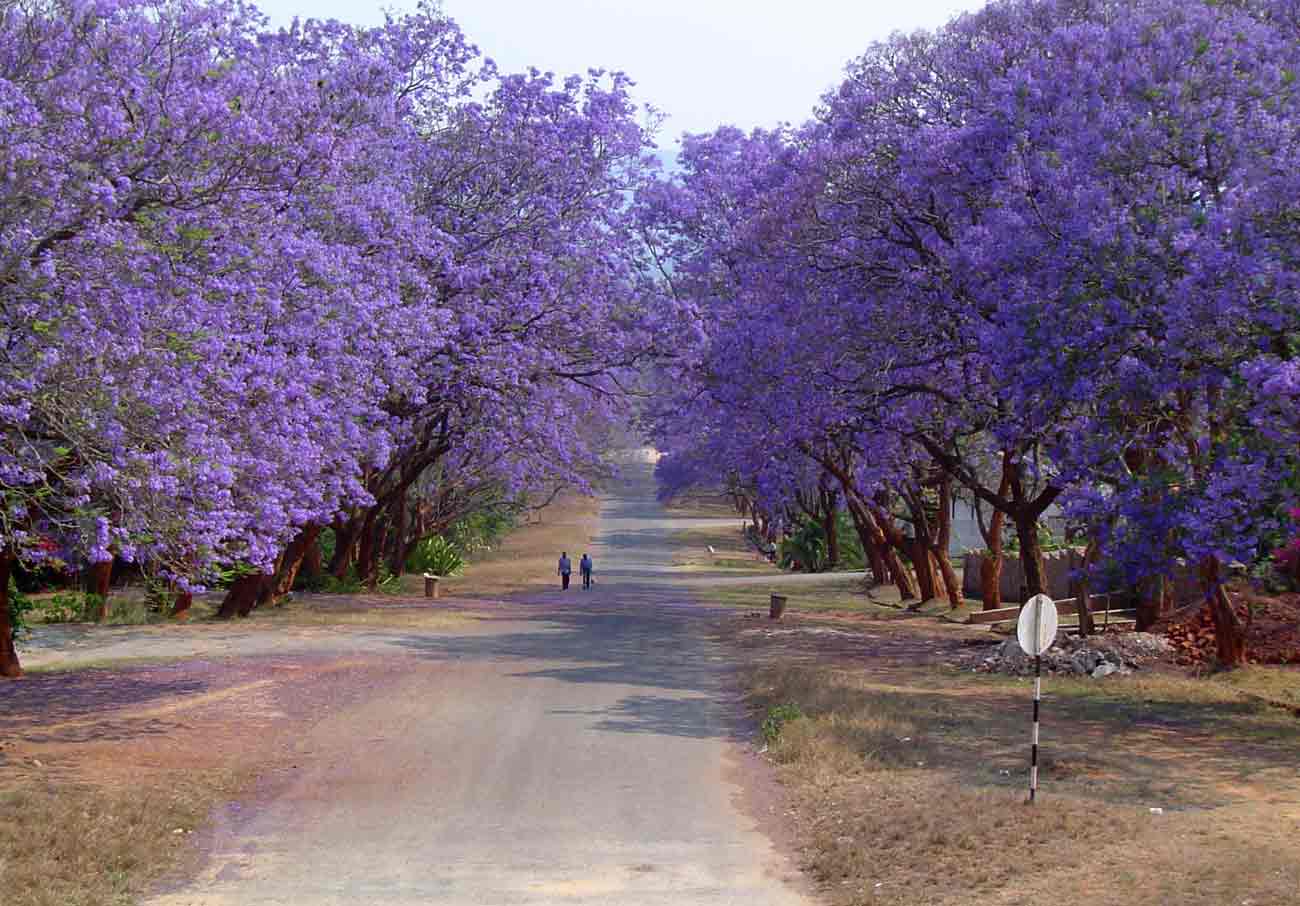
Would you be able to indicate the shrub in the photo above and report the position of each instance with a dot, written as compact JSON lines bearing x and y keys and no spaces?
{"x":805,"y":548}
{"x":19,"y":606}
{"x":480,"y":530}
{"x":777,"y":717}
{"x":435,"y":555}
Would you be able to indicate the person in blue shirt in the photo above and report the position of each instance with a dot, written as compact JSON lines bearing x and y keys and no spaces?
{"x":584,"y":567}
{"x":565,"y":569}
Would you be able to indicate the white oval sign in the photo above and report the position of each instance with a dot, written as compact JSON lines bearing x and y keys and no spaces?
{"x":1037,"y":626}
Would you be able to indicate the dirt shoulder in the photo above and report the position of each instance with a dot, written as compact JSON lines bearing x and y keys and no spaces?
{"x":106,"y":774}
{"x":905,"y":776}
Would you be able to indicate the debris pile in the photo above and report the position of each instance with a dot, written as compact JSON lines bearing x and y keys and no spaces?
{"x":1096,"y":656}
{"x":1272,"y":636}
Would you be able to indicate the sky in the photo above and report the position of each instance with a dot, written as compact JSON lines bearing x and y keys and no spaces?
{"x":703,"y":63}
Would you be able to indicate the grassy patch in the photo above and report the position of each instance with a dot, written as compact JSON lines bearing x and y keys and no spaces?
{"x":831,"y":594}
{"x":907,"y":786}
{"x":77,"y":846}
{"x":357,"y":610}
{"x":731,"y":553}
{"x":525,"y":560}
{"x":1279,"y":685}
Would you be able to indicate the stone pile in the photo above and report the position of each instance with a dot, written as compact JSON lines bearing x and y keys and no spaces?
{"x":1096,"y":656}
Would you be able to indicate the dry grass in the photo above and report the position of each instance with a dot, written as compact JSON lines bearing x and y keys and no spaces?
{"x":731,"y":554}
{"x":825,"y":595}
{"x":525,"y":560}
{"x":1280,"y":685}
{"x":908,"y":788}
{"x":359,"y":610}
{"x":699,"y":504}
{"x":65,"y":845}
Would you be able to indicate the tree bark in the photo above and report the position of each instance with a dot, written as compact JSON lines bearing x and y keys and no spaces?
{"x":345,"y":544}
{"x":943,"y":541}
{"x":924,"y":569}
{"x":1086,"y":624}
{"x":1031,"y":552}
{"x":832,"y":539}
{"x":99,"y":581}
{"x":950,"y":580}
{"x":10,"y":667}
{"x":991,"y":566}
{"x":1229,"y":630}
{"x":242,"y":596}
{"x":891,"y":568}
{"x":312,"y":565}
{"x":991,"y":573}
{"x":181,"y":605}
{"x":293,"y":558}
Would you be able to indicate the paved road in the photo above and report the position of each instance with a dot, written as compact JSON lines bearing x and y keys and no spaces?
{"x":585,"y":752}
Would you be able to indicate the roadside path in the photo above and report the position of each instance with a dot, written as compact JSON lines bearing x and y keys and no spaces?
{"x":581,"y":748}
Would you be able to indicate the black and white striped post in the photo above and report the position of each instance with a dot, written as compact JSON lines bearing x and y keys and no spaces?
{"x":1033,"y":749}
{"x":1036,"y":631}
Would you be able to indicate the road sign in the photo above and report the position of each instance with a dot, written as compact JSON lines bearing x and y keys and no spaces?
{"x":1036,"y":628}
{"x":1036,"y":631}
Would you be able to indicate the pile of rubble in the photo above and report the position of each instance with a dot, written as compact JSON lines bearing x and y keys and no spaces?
{"x":1096,"y":656}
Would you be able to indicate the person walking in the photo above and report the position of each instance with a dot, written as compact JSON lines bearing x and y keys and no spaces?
{"x":565,"y":569}
{"x":584,"y":567}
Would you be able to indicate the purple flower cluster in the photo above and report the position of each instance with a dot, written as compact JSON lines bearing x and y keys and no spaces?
{"x":1048,"y":254}
{"x":258,"y":280}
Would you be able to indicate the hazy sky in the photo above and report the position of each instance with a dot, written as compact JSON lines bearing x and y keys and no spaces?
{"x":702,"y":62}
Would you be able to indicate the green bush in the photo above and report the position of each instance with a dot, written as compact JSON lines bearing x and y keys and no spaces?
{"x":777,"y":717}
{"x":128,"y":611}
{"x":805,"y":548}
{"x":19,"y":606}
{"x":388,"y":584}
{"x":480,"y":530}
{"x":348,"y":585}
{"x":435,"y":555}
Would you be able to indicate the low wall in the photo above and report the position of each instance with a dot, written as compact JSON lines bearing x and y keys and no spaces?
{"x":1059,"y":565}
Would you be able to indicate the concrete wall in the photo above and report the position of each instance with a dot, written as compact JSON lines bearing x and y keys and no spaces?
{"x":1058,"y":565}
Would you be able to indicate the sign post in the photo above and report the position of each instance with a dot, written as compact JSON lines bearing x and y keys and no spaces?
{"x":1036,"y":631}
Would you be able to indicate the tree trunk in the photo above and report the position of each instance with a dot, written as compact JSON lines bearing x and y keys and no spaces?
{"x":950,"y":580}
{"x":242,"y":596}
{"x":1148,"y":593}
{"x":991,"y":566}
{"x":832,"y":539}
{"x":1031,"y":552}
{"x":1086,"y":624}
{"x":991,"y":578}
{"x":1229,"y":630}
{"x":924,"y":569}
{"x":10,"y":667}
{"x":345,"y":546}
{"x":891,"y":568}
{"x":181,"y":605}
{"x":943,"y":541}
{"x":291,"y":561}
{"x":99,"y":581}
{"x":365,"y":547}
{"x":312,"y":566}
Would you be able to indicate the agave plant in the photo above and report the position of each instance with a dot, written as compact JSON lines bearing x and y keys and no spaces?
{"x":437,"y":556}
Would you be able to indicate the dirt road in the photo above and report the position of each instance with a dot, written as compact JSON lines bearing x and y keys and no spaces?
{"x":580,"y":748}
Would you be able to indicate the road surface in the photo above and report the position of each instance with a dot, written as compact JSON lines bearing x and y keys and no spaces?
{"x":583,"y":750}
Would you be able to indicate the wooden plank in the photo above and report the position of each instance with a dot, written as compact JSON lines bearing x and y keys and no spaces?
{"x":998,"y":615}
